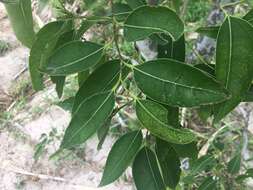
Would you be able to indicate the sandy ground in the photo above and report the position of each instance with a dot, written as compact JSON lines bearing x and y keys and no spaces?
{"x":18,"y":169}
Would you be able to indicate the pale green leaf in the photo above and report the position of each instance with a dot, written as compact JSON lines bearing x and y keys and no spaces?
{"x":20,"y":15}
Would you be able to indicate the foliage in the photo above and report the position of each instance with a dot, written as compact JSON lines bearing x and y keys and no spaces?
{"x":157,"y":89}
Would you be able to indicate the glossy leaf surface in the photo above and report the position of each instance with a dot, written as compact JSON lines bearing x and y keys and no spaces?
{"x":169,"y":163}
{"x":174,"y":83}
{"x":73,"y":57}
{"x":46,"y":40}
{"x":153,"y":117}
{"x":146,"y":20}
{"x":104,"y":78}
{"x":146,"y":172}
{"x":121,"y":156}
{"x":234,"y":68}
{"x":91,"y":114}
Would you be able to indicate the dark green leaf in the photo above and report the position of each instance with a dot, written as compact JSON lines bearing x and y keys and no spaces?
{"x":186,"y":150}
{"x":59,"y":81}
{"x":249,"y":16}
{"x":84,"y":26}
{"x":121,"y":11}
{"x":90,"y":115}
{"x":247,"y":174}
{"x":20,"y":15}
{"x":121,"y":156}
{"x":135,"y":3}
{"x":210,"y":69}
{"x":102,"y":132}
{"x":234,"y":62}
{"x":76,"y":56}
{"x":67,"y":104}
{"x":146,"y":172}
{"x":169,"y":163}
{"x":174,"y":83}
{"x":249,"y":95}
{"x":82,"y":77}
{"x":234,"y":164}
{"x":146,"y":20}
{"x":153,"y":116}
{"x":210,"y":31}
{"x":202,"y":164}
{"x":208,"y":184}
{"x":102,"y":79}
{"x":174,"y":50}
{"x":46,"y":40}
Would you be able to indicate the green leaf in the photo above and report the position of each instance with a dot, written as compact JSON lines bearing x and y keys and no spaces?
{"x":102,"y":79}
{"x":121,"y":156}
{"x":121,"y":11}
{"x":146,"y":20}
{"x":45,"y":43}
{"x":84,"y":26}
{"x":234,"y":164}
{"x":169,"y":163}
{"x":249,"y":16}
{"x":208,"y":184}
{"x":59,"y":81}
{"x":76,"y":56}
{"x":247,"y":174}
{"x":202,"y":164}
{"x":174,"y":50}
{"x":135,"y":3}
{"x":234,"y":62}
{"x":249,"y":95}
{"x":210,"y":31}
{"x":186,"y":150}
{"x":91,"y":114}
{"x":20,"y":15}
{"x":146,"y":172}
{"x":174,"y":83}
{"x":102,"y":132}
{"x":209,"y":69}
{"x":67,"y":104}
{"x":153,"y":117}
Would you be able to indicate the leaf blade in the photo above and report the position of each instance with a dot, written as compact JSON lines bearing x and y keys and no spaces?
{"x":91,"y":114}
{"x":233,"y":67}
{"x":161,"y":20}
{"x":153,"y":117}
{"x":176,"y":84}
{"x":120,"y":156}
{"x":76,"y":56}
{"x":146,"y":173}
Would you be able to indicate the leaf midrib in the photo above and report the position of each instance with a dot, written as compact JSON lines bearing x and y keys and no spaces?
{"x":177,"y":84}
{"x":78,"y":60}
{"x":125,"y":153}
{"x":87,"y":122}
